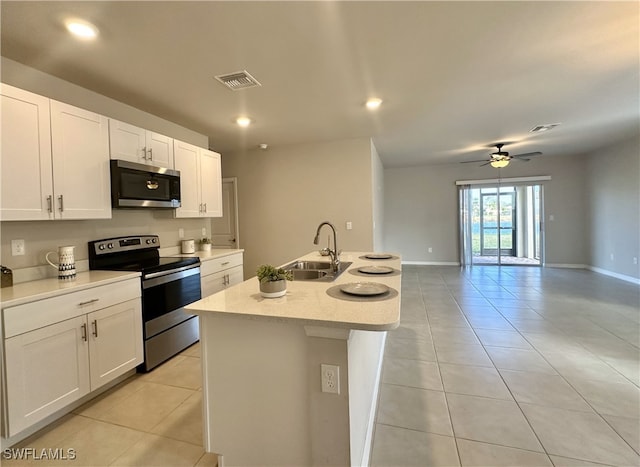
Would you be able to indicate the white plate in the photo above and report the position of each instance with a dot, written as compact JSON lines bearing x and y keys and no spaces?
{"x":375,"y":269}
{"x":378,"y":256}
{"x":365,"y":289}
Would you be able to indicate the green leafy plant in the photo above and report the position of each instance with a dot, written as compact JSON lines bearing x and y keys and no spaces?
{"x":206,"y":241}
{"x":268,"y":273}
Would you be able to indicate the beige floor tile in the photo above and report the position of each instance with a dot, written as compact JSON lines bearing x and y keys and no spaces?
{"x":185,"y":372}
{"x":413,"y":373}
{"x":146,"y":407}
{"x":491,"y":421}
{"x":208,"y":459}
{"x":193,"y":351}
{"x":454,"y":320}
{"x":185,"y":422}
{"x":622,"y":399}
{"x":519,"y":359}
{"x":474,"y":381}
{"x":463,"y":354}
{"x":55,"y":433}
{"x":413,"y":408}
{"x":541,"y":389}
{"x":394,"y":447}
{"x":476,"y":454}
{"x":99,"y":443}
{"x":412,"y":331}
{"x":447,"y":337}
{"x":559,"y":461}
{"x":628,"y":428}
{"x":492,"y":322}
{"x":579,"y":366}
{"x":415,"y":349}
{"x":579,"y":435}
{"x":101,"y":404}
{"x":510,"y":339}
{"x":153,"y":450}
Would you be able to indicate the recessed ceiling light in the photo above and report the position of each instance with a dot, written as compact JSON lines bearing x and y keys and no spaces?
{"x":263,"y":146}
{"x":243,"y":121}
{"x":81,"y":29}
{"x":373,"y":103}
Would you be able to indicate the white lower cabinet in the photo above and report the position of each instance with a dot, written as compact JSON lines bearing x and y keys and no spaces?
{"x":220,"y":273}
{"x":49,"y":367}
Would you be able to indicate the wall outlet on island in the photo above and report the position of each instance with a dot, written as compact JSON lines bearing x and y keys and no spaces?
{"x":330,"y":378}
{"x":180,"y":233}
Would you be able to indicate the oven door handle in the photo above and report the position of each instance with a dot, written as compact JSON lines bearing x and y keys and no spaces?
{"x":158,"y":278}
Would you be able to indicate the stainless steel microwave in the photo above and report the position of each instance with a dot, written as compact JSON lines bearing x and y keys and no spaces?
{"x":143,"y":186}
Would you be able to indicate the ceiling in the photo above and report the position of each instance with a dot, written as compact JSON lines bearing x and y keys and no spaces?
{"x":455,"y":77}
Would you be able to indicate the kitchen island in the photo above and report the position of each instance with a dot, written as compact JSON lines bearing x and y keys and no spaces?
{"x":261,"y":360}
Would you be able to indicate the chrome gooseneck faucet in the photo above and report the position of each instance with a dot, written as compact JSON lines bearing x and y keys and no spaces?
{"x":335,"y":261}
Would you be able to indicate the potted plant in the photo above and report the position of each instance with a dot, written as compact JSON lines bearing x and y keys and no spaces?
{"x":273,"y":281}
{"x":205,"y":244}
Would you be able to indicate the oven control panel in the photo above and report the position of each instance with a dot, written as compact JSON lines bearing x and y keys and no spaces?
{"x":123,"y":244}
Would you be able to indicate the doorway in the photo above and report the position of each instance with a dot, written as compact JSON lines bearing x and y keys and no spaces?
{"x":501,"y":224}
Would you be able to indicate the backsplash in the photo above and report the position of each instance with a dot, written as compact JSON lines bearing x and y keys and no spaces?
{"x":43,"y":236}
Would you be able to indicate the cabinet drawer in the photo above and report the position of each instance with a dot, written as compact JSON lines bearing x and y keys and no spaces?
{"x":220,"y":264}
{"x":34,"y":315}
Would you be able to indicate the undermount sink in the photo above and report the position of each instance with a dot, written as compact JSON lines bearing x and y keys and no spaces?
{"x":319,"y":271}
{"x":309,"y":265}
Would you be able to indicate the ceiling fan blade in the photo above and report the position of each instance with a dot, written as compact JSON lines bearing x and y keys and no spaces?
{"x":469,"y":162}
{"x":527,"y":154}
{"x":486,"y":163}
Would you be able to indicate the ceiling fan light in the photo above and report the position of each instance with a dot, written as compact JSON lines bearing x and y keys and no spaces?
{"x":500,"y":163}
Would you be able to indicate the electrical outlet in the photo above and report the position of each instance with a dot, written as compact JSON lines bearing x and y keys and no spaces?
{"x":204,"y":232}
{"x":17,"y":247}
{"x":330,"y":378}
{"x":635,"y":260}
{"x":612,"y":257}
{"x":430,"y":250}
{"x":180,"y":233}
{"x":349,"y":225}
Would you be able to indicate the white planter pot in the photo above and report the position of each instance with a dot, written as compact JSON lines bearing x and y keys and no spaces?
{"x":205,"y":246}
{"x":273,"y":289}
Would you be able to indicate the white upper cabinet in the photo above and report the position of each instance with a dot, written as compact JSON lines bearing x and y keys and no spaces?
{"x":134,"y":144}
{"x":54,"y":161}
{"x":26,"y":173}
{"x":81,"y":174}
{"x":200,"y":181}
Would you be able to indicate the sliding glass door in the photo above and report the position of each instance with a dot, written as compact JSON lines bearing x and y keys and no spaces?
{"x":501,"y":224}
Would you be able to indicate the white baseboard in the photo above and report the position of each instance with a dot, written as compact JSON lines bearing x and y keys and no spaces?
{"x":622,"y":277}
{"x":566,"y":266}
{"x":431,"y":263}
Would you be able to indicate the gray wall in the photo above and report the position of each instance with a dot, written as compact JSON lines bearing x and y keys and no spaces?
{"x":614,"y":208}
{"x":377,"y":174}
{"x":421,"y":208}
{"x":43,"y":236}
{"x":284,"y":193}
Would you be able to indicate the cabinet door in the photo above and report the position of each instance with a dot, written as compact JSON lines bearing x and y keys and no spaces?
{"x":211,"y":182}
{"x":186,"y":157}
{"x":80,"y":149}
{"x":234,"y":276}
{"x":127,"y":142}
{"x":115,"y":341}
{"x":159,"y":150}
{"x":25,"y":174}
{"x":213,"y":283}
{"x":46,"y":370}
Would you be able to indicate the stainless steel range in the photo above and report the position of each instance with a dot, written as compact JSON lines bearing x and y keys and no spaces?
{"x":168,"y":284}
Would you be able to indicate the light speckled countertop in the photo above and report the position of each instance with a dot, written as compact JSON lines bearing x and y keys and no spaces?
{"x":308,"y":302}
{"x":32,"y":291}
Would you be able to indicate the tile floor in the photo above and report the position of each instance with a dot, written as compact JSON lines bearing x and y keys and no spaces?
{"x":510,"y":366}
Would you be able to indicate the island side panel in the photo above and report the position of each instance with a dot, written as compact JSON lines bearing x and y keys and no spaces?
{"x":255,"y":391}
{"x":365,"y":355}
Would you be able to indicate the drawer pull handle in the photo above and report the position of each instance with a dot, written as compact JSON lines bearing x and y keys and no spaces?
{"x":95,"y":328}
{"x":225,"y":263}
{"x":50,"y":203}
{"x":88,"y":302}
{"x":84,"y":332}
{"x":61,"y":201}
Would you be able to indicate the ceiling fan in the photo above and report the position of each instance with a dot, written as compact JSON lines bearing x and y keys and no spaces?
{"x":502,"y":158}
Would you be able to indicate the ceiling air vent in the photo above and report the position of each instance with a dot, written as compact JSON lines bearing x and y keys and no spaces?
{"x":238,"y":80}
